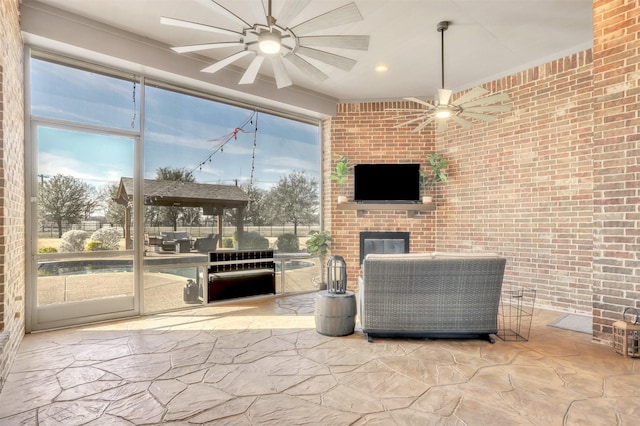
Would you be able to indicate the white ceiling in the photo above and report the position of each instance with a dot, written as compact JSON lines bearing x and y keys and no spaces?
{"x":486,"y":39}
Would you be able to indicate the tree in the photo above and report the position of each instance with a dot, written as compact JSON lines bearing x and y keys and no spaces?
{"x":152,"y":216}
{"x":114,"y":212}
{"x":255,"y":213}
{"x":96,"y":202}
{"x":294,"y":200}
{"x":174,"y":174}
{"x":190,"y":216}
{"x":171,"y":215}
{"x":64,"y":199}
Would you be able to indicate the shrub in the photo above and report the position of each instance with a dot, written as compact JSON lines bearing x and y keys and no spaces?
{"x":95,"y":246}
{"x":48,"y":249}
{"x":73,"y":241}
{"x":227,"y":242}
{"x":108,"y":237}
{"x":253,"y":240}
{"x":288,"y":243}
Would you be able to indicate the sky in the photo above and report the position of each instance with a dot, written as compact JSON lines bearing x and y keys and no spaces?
{"x":180,"y":131}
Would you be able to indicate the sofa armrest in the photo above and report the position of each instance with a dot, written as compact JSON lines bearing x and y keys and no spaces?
{"x":360,"y":298}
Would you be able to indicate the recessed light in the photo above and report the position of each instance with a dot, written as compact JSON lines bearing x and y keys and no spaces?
{"x":380,"y":68}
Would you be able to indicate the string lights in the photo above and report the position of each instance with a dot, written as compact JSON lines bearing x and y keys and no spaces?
{"x":227,"y":138}
{"x":135,"y":109}
{"x":233,"y":135}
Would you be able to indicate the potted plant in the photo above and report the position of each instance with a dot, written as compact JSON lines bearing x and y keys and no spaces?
{"x":434,"y":174}
{"x":318,"y":244}
{"x":340,"y":174}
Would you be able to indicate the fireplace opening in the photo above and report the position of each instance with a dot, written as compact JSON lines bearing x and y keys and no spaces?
{"x":383,"y":243}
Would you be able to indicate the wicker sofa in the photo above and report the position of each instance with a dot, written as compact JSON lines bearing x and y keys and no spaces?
{"x":430,"y":295}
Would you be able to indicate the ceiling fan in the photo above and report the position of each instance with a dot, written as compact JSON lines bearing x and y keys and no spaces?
{"x":274,"y":40}
{"x":471,"y":105}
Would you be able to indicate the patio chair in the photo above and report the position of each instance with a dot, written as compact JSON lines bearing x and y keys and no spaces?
{"x":207,"y":244}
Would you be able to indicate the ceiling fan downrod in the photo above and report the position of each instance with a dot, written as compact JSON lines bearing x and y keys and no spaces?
{"x":271,"y":21}
{"x":442,"y":27}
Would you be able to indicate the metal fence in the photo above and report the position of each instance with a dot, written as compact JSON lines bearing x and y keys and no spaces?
{"x":50,"y":230}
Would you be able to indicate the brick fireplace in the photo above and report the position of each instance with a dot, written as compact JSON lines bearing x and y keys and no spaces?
{"x":348,"y":228}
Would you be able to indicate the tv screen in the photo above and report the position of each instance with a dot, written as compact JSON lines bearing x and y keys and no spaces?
{"x":386,"y":183}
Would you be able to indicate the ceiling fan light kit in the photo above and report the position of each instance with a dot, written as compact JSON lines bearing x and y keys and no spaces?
{"x":471,"y":105}
{"x":444,"y":112}
{"x":269,"y":42}
{"x":275,"y":40}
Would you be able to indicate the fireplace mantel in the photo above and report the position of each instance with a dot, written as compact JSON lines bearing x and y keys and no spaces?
{"x":411,"y":209}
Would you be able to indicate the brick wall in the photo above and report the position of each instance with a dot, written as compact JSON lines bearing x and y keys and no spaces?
{"x":616,"y":265}
{"x":12,"y":203}
{"x":363,"y":133}
{"x":325,"y":187}
{"x":522,"y":186}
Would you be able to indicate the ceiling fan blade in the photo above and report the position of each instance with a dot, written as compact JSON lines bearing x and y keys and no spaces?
{"x":444,"y":96}
{"x":258,"y":12}
{"x":413,"y":120}
{"x":488,"y":108}
{"x":481,"y":117}
{"x":230,"y":15}
{"x":442,"y":125}
{"x":487,"y":100}
{"x":226,"y":61}
{"x":421,"y":102}
{"x":280,"y":72}
{"x":476,"y":92}
{"x":423,"y":124}
{"x":328,"y":58}
{"x":206,"y":46}
{"x":196,"y":26}
{"x":409,"y":111}
{"x":290,"y":10}
{"x":340,"y":16}
{"x":306,"y":67}
{"x":354,"y":42}
{"x":461,"y":122}
{"x":250,"y":74}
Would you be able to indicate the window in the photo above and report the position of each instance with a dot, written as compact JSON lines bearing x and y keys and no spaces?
{"x":89,"y":97}
{"x":85,"y":124}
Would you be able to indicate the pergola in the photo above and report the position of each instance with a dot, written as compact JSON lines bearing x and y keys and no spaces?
{"x":213,"y":199}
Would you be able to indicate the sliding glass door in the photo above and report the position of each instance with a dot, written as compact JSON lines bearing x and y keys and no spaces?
{"x":84,"y":264}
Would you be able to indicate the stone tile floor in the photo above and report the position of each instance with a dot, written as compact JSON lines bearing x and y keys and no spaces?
{"x":261,"y":362}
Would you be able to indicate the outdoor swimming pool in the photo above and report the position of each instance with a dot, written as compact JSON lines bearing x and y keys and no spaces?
{"x":100,"y":266}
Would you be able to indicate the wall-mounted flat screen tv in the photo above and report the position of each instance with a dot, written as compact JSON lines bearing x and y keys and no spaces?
{"x":386,"y":183}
